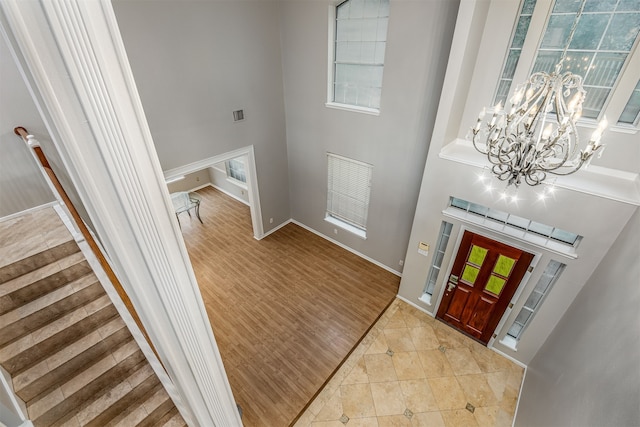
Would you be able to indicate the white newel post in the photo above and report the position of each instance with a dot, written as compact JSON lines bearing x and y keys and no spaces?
{"x":73,"y":59}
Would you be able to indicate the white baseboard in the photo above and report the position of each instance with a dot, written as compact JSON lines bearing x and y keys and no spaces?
{"x":515,"y":413}
{"x":422,"y":309}
{"x":361,"y":255}
{"x":26,"y":211}
{"x":506,"y":356}
{"x":233,"y":196}
{"x":273,"y":230}
{"x":200,"y":187}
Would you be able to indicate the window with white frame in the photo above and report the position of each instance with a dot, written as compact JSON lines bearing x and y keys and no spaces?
{"x":549,"y":277}
{"x":438,"y":257}
{"x":511,"y":61}
{"x":631,"y":113}
{"x":605,"y":34}
{"x":348,"y":193}
{"x":235,"y":170}
{"x":357,"y":54}
{"x":605,"y":39}
{"x":535,"y":233}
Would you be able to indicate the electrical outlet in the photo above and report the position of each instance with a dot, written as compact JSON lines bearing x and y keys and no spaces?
{"x":335,"y":231}
{"x":401,"y":262}
{"x":270,"y":220}
{"x":197,"y":179}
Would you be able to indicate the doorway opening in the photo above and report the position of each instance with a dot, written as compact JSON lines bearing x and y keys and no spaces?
{"x":484,"y":277}
{"x":251,"y":182}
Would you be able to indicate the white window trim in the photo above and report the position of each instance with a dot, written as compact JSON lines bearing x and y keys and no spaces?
{"x":348,"y":107}
{"x":511,"y":232}
{"x":236,"y":182}
{"x":346,"y":226}
{"x":358,"y":231}
{"x":331,"y":46}
{"x":509,"y":340}
{"x":232,"y":180}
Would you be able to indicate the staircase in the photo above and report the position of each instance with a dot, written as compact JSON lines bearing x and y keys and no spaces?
{"x":70,"y":356}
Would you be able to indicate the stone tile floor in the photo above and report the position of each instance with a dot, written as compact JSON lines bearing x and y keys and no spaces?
{"x":413,"y":370}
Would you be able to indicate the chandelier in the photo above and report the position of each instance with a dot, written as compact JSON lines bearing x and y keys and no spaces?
{"x":537,"y":134}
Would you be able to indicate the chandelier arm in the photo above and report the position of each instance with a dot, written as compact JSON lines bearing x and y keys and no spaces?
{"x":560,"y":172}
{"x":535,"y":178}
{"x":475,"y":144}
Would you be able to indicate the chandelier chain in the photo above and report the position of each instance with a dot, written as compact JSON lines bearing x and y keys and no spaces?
{"x":573,"y":31}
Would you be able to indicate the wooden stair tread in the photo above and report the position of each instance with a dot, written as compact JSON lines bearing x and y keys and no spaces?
{"x":22,"y":361}
{"x":35,"y":290}
{"x":40,"y":387}
{"x":36,"y":261}
{"x":163,"y":413}
{"x":126,"y":404}
{"x":50,"y":313}
{"x":79,"y":400}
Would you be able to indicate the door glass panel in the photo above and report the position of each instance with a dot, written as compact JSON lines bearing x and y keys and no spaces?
{"x":477,"y":255}
{"x":504,"y":265}
{"x":470,"y":274}
{"x":495,"y":285}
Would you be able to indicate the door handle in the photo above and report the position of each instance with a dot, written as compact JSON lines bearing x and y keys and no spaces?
{"x":450,"y":286}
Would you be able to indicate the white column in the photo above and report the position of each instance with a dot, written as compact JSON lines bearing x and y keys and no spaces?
{"x":74,"y":61}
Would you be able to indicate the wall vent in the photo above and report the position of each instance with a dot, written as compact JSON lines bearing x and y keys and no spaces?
{"x":238,"y":115}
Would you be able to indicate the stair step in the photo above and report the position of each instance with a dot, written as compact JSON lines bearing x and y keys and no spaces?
{"x":29,"y":293}
{"x":27,"y":358}
{"x":161,"y":415}
{"x":43,"y":385}
{"x":50,"y":313}
{"x":126,"y":404}
{"x":82,"y":398}
{"x":176,"y":421}
{"x":26,"y":265}
{"x":50,"y":298}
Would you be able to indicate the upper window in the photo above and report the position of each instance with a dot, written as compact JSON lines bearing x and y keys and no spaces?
{"x":511,"y":62}
{"x":358,"y":53}
{"x":348,"y":192}
{"x":604,"y":38}
{"x":631,"y":113}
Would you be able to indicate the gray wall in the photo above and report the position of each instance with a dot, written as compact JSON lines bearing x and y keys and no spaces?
{"x":219,"y":180}
{"x":21,"y":183}
{"x":194,"y":63}
{"x":395,"y":142}
{"x":193,"y":180}
{"x":587,"y":373}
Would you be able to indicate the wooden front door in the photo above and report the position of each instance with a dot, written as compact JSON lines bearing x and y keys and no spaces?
{"x":484,"y":277}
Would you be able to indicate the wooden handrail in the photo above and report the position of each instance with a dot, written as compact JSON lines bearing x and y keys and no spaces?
{"x":22,"y":132}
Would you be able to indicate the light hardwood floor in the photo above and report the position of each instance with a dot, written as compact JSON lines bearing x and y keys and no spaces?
{"x":285,"y":310}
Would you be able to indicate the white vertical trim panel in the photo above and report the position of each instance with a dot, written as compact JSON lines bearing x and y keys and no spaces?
{"x":75,"y":63}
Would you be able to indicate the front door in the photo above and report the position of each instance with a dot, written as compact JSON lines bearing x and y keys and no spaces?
{"x":484,"y":277}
